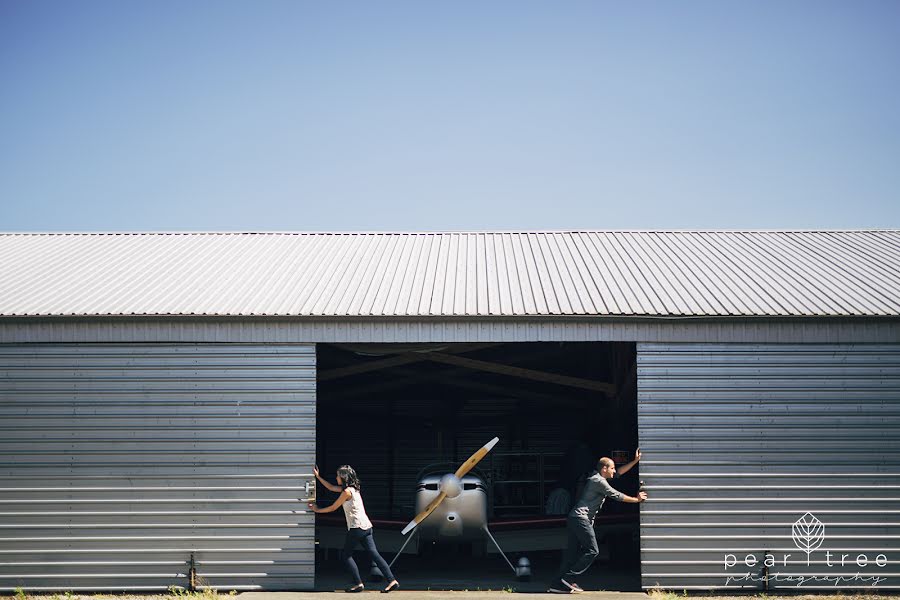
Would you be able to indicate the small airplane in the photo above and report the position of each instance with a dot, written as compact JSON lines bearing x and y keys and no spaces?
{"x":455,"y":507}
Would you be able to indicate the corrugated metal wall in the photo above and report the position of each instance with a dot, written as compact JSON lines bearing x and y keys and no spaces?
{"x":741,"y":441}
{"x":119,"y":461}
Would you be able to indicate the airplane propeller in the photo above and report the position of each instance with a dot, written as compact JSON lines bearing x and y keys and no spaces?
{"x":451,"y":484}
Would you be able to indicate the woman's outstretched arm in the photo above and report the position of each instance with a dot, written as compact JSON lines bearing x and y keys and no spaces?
{"x":345,"y":495}
{"x":331,"y":487}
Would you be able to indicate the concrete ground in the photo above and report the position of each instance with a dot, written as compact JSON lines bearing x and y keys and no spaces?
{"x":425,"y":595}
{"x":587,"y":595}
{"x":454,"y":574}
{"x":450,"y":595}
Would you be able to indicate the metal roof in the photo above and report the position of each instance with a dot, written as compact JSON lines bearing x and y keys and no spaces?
{"x":627,"y":273}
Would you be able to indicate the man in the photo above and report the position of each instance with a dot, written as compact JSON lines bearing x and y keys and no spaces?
{"x":582,"y":547}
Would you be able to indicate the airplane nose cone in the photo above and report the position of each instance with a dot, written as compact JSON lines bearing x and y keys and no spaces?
{"x":451,"y":485}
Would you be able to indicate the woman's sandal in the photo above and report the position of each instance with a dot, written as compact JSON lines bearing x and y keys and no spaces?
{"x":394,"y":585}
{"x":355,"y":588}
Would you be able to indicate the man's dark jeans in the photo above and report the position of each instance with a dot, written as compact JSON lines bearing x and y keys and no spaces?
{"x":581,"y":549}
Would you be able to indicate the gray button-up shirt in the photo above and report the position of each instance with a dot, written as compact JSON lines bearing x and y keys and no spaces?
{"x":596,"y":491}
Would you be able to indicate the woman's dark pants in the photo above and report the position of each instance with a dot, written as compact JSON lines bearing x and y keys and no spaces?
{"x":363,"y":536}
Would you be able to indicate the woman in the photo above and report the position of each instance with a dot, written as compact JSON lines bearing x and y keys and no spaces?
{"x":359,"y":528}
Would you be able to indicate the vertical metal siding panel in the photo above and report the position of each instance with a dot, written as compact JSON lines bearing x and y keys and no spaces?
{"x":604,"y":274}
{"x":395,"y":268}
{"x":862,"y":273}
{"x":433,"y":291}
{"x":571,"y":260}
{"x":292,"y":252}
{"x":757,"y":279}
{"x":706,"y":272}
{"x":781,"y":283}
{"x":41,"y":248}
{"x":252,"y":275}
{"x":875,"y":247}
{"x":205,"y":293}
{"x":455,"y":304}
{"x":652,"y":302}
{"x":119,"y":460}
{"x":685,"y":274}
{"x":736,"y":273}
{"x":496,"y":246}
{"x":650,"y":267}
{"x":814,"y":279}
{"x":376,"y":281}
{"x":516,"y":280}
{"x":256,"y":302}
{"x":741,"y":440}
{"x":471,"y":262}
{"x":626,"y":298}
{"x":592,"y":279}
{"x":357,"y":287}
{"x":555,"y":305}
{"x":347,"y":261}
{"x":485,"y":280}
{"x":51,"y":259}
{"x":441,"y":300}
{"x":423,"y":278}
{"x":562,"y":270}
{"x":532,"y":294}
{"x":673,"y":276}
{"x":299,"y":273}
{"x":399,"y":296}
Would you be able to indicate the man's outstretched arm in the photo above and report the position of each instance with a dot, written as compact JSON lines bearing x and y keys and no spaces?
{"x":627,"y":466}
{"x":611,"y":492}
{"x":634,"y":499}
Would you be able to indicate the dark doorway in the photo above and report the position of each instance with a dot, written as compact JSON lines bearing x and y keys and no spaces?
{"x":393,"y":410}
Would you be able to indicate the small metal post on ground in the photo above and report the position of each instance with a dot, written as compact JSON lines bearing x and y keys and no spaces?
{"x":192,"y":582}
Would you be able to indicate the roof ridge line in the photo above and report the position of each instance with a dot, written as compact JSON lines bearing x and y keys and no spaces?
{"x":438,"y":232}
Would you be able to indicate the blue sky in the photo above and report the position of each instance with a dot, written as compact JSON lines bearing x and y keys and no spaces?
{"x":296,"y":115}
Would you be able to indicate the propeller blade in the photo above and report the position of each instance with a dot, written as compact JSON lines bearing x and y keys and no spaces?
{"x":422,"y":515}
{"x":473,"y":460}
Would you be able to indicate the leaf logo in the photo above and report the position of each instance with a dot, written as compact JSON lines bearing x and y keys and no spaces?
{"x":808,"y":533}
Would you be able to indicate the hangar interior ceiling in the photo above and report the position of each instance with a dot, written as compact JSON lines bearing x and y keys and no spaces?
{"x":391,"y":410}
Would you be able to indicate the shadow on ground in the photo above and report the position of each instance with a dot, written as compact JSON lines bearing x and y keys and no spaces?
{"x":473,"y":574}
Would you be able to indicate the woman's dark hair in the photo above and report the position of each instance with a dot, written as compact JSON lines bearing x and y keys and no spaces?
{"x":349,"y":477}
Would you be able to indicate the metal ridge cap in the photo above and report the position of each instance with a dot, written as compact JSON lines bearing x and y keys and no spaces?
{"x":240,"y":232}
{"x":418,"y":318}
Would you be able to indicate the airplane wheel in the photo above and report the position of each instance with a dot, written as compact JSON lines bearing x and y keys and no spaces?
{"x":523,"y":569}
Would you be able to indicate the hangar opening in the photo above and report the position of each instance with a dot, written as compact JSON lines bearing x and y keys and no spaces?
{"x":399,"y":413}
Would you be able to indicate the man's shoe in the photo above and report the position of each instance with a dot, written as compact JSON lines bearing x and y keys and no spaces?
{"x":576,"y":589}
{"x":561,"y":586}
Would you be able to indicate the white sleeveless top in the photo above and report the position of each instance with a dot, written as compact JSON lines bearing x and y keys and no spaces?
{"x":355,"y":511}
